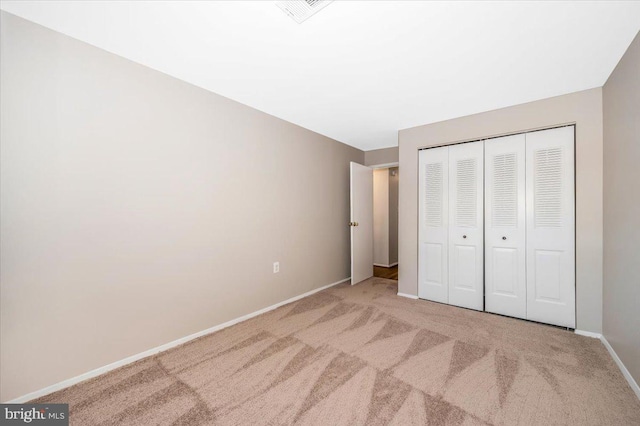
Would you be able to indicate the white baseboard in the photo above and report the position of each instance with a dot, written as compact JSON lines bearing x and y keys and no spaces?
{"x":588,"y":334}
{"x":409,"y":296}
{"x":101,"y":370}
{"x":623,"y":369}
{"x":614,"y":355}
{"x":382,"y":265}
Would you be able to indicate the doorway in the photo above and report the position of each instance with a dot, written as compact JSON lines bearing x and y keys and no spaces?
{"x":374,"y":221}
{"x":385,"y":222}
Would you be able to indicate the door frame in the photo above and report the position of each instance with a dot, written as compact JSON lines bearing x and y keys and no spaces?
{"x":384,"y":165}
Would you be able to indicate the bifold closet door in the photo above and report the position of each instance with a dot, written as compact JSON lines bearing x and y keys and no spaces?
{"x":551,"y":226}
{"x":505,"y":230}
{"x":433,"y":224}
{"x":466,"y":226}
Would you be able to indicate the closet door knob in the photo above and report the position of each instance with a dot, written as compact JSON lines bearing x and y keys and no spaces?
{"x":464,"y":236}
{"x":504,"y":238}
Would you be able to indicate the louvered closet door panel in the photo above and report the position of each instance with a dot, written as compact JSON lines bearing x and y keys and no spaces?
{"x":551,"y":226}
{"x":505,"y":256}
{"x":466,"y":225}
{"x":433,"y":224}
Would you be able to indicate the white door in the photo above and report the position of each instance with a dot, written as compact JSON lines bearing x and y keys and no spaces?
{"x":361,"y":223}
{"x":433,"y":224}
{"x":466,"y":226}
{"x":505,"y":230}
{"x":551,"y":226}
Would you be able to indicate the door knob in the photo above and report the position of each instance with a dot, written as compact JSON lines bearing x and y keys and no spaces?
{"x":504,"y":238}
{"x":356,"y":223}
{"x":464,"y":236}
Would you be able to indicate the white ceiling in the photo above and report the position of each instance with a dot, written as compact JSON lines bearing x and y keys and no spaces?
{"x":360,"y":71}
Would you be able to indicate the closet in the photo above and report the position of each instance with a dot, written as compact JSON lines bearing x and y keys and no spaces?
{"x":451,"y":225}
{"x":497,"y":225}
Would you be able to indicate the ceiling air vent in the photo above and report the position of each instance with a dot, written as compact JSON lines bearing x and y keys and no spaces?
{"x":301,"y":10}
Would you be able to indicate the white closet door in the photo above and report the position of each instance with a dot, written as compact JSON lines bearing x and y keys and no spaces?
{"x":551,"y":226}
{"x":466,"y":194}
{"x":505,"y":230}
{"x":433,"y":211}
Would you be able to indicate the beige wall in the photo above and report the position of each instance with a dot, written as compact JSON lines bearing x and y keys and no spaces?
{"x":381,"y":216}
{"x":381,"y":156}
{"x":393,"y":214}
{"x":582,"y":108}
{"x":138,"y":209}
{"x":621,"y":100}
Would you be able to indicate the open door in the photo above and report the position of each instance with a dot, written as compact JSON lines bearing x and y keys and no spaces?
{"x":361,"y":223}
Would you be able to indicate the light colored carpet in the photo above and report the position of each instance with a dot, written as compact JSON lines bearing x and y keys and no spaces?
{"x":356,"y":355}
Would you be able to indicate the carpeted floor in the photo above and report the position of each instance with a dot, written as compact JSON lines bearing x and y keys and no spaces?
{"x":355,"y":355}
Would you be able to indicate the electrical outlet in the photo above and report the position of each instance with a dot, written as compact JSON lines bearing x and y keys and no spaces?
{"x":276,"y":267}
